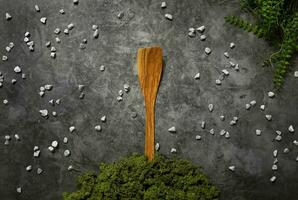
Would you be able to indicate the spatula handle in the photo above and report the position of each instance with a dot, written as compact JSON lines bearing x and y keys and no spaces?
{"x":149,"y":141}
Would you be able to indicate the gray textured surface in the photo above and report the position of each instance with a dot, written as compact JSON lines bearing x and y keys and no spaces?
{"x":182,"y":101}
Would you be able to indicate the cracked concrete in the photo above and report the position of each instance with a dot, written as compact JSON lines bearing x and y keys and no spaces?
{"x":182,"y":101}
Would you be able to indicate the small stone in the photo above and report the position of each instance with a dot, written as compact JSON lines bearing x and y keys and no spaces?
{"x":81,"y":88}
{"x":36,"y":153}
{"x":11,"y":45}
{"x":17,"y":69}
{"x":82,"y":95}
{"x":8,"y":16}
{"x":286,"y":150}
{"x":120,"y":15}
{"x":297,"y":159}
{"x":30,"y":43}
{"x":203,"y":37}
{"x":278,"y":138}
{"x":72,"y":129}
{"x":39,"y":171}
{"x":57,"y":40}
{"x":163,"y":4}
{"x":41,"y":93}
{"x":54,"y":113}
{"x":232,"y":45}
{"x":235,"y":118}
{"x":198,"y":137}
{"x":201,"y":29}
{"x":225,"y":72}
{"x":70,"y":26}
{"x":191,"y":34}
{"x":268,"y":117}
{"x":232,"y":168}
{"x":61,"y":11}
{"x":102,"y":68}
{"x":207,"y":50}
{"x":197,"y":76}
{"x":43,"y":20}
{"x":103,"y":118}
{"x":227,"y":135}
{"x":278,"y":132}
{"x":173,"y":150}
{"x":94,"y":27}
{"x":7,"y":137}
{"x":172,"y":129}
{"x":37,"y":8}
{"x":75,"y":2}
{"x":296,"y":74}
{"x":16,"y":136}
{"x":134,"y":114}
{"x":157,"y":146}
{"x":233,"y":122}
{"x":48,"y":44}
{"x":53,"y":55}
{"x":295,"y":142}
{"x":66,"y":31}
{"x":4,"y":58}
{"x":232,"y":64}
{"x":126,"y":87}
{"x":44,"y":112}
{"x":48,"y":87}
{"x":84,"y":41}
{"x":13,"y":81}
{"x":66,"y":153}
{"x":29,"y":168}
{"x":275,"y":161}
{"x":65,"y":140}
{"x":58,"y":101}
{"x":222,"y":132}
{"x":226,"y":54}
{"x":271,"y":94}
{"x":203,"y":124}
{"x":169,"y":17}
{"x":262,"y":107}
{"x":5,"y":101}
{"x":275,"y":152}
{"x":273,"y":179}
{"x":253,"y":102}
{"x":97,"y":128}
{"x":7,"y":49}
{"x":218,"y":82}
{"x":119,"y":98}
{"x":54,"y":144}
{"x":95,"y":34}
{"x":35,"y":148}
{"x":19,"y":190}
{"x":70,"y":167}
{"x":211,"y":131}
{"x":51,"y":149}
{"x":258,"y":132}
{"x":210,"y":107}
{"x":191,"y":29}
{"x":237,"y":67}
{"x":291,"y":129}
{"x":222,"y":117}
{"x":57,"y":31}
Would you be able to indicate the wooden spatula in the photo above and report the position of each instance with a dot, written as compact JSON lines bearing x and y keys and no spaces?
{"x":149,"y":63}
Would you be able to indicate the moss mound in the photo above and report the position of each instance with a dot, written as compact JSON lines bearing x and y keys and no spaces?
{"x":137,"y":178}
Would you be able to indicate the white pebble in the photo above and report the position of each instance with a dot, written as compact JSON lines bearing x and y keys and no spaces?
{"x":273,"y":179}
{"x":232,"y":45}
{"x":36,"y":153}
{"x":61,"y":11}
{"x":70,"y":26}
{"x":258,"y":132}
{"x":48,"y":44}
{"x":53,"y":55}
{"x":120,"y":15}
{"x":271,"y":94}
{"x":207,"y":50}
{"x":5,"y":101}
{"x":29,"y":168}
{"x":222,"y":117}
{"x":247,"y":106}
{"x":37,"y":8}
{"x":218,"y":82}
{"x":203,"y":37}
{"x":210,"y":107}
{"x":48,"y":87}
{"x":268,"y":117}
{"x":66,"y":31}
{"x":291,"y":129}
{"x":211,"y":131}
{"x":198,"y":137}
{"x":278,"y":132}
{"x":54,"y":144}
{"x":17,"y":69}
{"x":102,"y":68}
{"x":65,"y":140}
{"x":44,"y":112}
{"x":51,"y":149}
{"x":66,"y":153}
{"x":275,"y":152}
{"x":126,"y":87}
{"x":103,"y":118}
{"x":72,"y":129}
{"x":81,"y":87}
{"x":197,"y":76}
{"x":4,"y":58}
{"x":226,"y":72}
{"x":163,"y":4}
{"x":203,"y":124}
{"x":296,"y":74}
{"x":227,"y":135}
{"x":295,"y":142}
{"x":54,"y":113}
{"x":232,"y":168}
{"x":201,"y":29}
{"x":222,"y":132}
{"x":75,"y":2}
{"x":97,"y":128}
{"x":95,"y":34}
{"x":39,"y":171}
{"x":168,"y":16}
{"x":157,"y":146}
{"x":173,"y":150}
{"x":286,"y":150}
{"x":58,"y":101}
{"x":43,"y":20}
{"x":16,"y":136}
{"x":253,"y":102}
{"x":94,"y":27}
{"x":172,"y":129}
{"x":13,"y":81}
{"x":262,"y":107}
{"x":70,"y":167}
{"x":19,"y":190}
{"x":226,"y":54}
{"x":119,"y":98}
{"x":8,"y":16}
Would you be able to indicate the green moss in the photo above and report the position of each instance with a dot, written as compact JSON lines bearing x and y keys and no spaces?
{"x":137,"y":178}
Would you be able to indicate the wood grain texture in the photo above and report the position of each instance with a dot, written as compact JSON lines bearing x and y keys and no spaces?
{"x":149,"y":61}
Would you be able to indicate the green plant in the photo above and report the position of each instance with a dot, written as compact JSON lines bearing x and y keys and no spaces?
{"x":137,"y":178}
{"x":276,"y":22}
